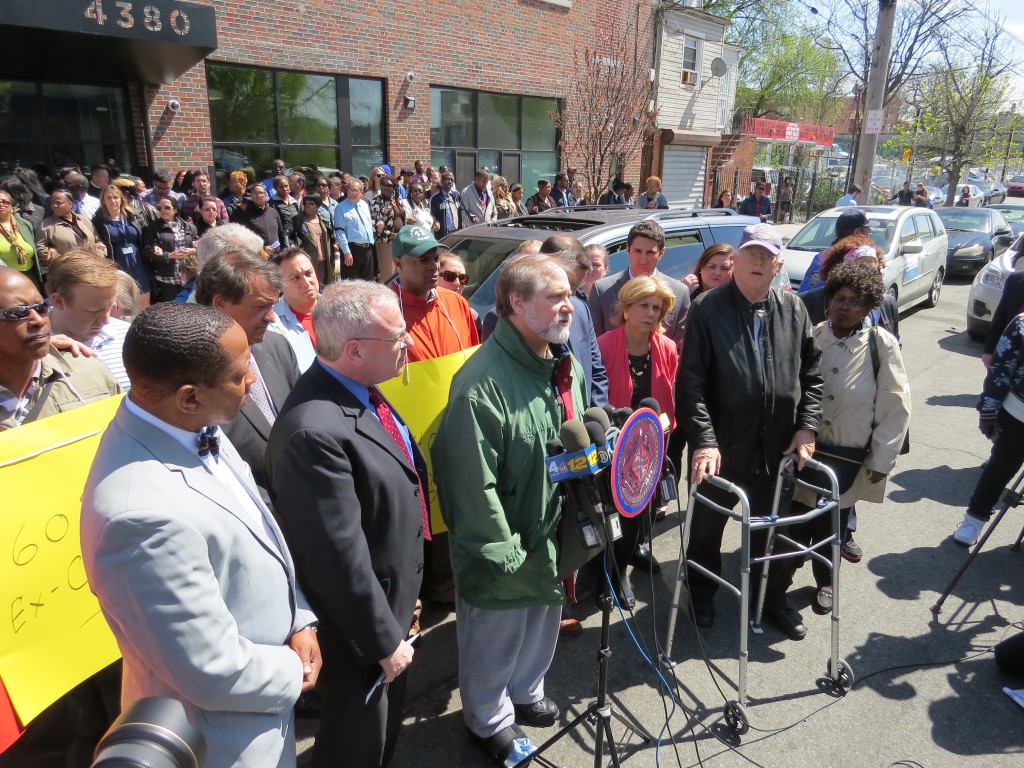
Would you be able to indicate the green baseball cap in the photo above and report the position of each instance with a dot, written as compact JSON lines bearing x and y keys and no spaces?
{"x":414,"y":241}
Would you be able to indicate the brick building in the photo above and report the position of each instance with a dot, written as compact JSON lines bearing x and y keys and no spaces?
{"x":233,"y":84}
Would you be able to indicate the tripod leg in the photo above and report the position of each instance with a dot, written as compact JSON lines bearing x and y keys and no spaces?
{"x":1016,"y":544}
{"x":970,"y":558}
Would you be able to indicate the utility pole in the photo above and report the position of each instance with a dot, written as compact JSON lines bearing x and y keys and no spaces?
{"x":878,"y":74}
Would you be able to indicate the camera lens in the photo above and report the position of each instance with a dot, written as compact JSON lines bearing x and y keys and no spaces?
{"x":151,"y":733}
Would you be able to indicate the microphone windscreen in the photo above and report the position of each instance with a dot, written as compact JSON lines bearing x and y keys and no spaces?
{"x":554,"y":447}
{"x":573,"y":435}
{"x":597,"y":435}
{"x":652,"y":403}
{"x":598,"y":416}
{"x":622,"y":415}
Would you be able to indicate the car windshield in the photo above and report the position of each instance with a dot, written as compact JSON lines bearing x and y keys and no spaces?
{"x":959,"y":220}
{"x":1014,"y":215}
{"x":481,"y":255}
{"x":1017,"y":179}
{"x":818,"y":234}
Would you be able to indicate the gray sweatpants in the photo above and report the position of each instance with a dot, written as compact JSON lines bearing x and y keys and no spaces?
{"x":503,"y":657}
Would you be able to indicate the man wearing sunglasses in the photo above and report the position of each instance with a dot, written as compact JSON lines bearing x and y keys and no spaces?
{"x":439,"y":320}
{"x":36,"y":380}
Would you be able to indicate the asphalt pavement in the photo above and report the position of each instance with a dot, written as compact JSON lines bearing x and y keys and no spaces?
{"x":927,"y":692}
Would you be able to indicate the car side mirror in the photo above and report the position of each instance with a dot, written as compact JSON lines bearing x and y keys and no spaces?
{"x":1004,"y":240}
{"x":915,"y":247}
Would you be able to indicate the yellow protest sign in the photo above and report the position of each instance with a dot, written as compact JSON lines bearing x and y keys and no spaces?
{"x":52,"y":634}
{"x":420,"y":395}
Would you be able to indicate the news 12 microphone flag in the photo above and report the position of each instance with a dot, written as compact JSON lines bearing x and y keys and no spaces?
{"x":52,"y":636}
{"x":420,"y":394}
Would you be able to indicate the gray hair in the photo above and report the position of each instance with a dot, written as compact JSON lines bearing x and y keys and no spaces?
{"x":346,"y":310}
{"x":227,"y":237}
{"x":128,"y":295}
{"x":231,"y":275}
{"x":524,"y":275}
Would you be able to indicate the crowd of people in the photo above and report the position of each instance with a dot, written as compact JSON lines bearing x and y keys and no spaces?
{"x":257,"y":523}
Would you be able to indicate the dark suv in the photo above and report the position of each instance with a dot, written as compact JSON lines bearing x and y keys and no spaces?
{"x":484,"y":247}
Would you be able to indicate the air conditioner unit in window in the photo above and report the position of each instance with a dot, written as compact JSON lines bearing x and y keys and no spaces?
{"x":689,"y":77}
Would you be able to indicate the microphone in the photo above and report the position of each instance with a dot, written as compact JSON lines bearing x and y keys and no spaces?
{"x":604,"y":460}
{"x":668,"y":485}
{"x":583,"y":497}
{"x":600,"y":416}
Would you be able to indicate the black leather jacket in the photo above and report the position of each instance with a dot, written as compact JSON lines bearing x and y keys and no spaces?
{"x":723,"y":399}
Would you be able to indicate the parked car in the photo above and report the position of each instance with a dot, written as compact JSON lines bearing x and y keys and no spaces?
{"x":483,"y":247}
{"x":913,"y":239}
{"x":975,"y":237}
{"x":1013,"y":213}
{"x":978,"y":196}
{"x":987,"y":289}
{"x":994,"y":191}
{"x":1015,"y":185}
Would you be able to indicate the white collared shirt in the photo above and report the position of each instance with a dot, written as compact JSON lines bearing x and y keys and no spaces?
{"x":219,"y":469}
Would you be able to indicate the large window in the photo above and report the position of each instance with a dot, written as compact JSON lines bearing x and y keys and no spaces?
{"x":316,"y":123}
{"x":58,"y":124}
{"x":515,"y":135}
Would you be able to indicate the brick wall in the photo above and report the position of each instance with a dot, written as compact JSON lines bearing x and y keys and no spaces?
{"x":507,"y":46}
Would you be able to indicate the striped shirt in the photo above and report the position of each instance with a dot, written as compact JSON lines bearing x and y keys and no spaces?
{"x":107,"y":346}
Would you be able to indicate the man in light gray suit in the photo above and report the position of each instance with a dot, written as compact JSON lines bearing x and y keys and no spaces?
{"x":477,"y":200}
{"x":645,"y":245}
{"x":191,"y":571}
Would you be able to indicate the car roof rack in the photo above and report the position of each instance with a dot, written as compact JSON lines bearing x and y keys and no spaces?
{"x":692,"y":213}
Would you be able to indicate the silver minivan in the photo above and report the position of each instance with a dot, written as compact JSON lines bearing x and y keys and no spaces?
{"x":913,"y":239}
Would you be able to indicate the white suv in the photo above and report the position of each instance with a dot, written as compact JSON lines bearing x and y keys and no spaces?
{"x":913,"y":239}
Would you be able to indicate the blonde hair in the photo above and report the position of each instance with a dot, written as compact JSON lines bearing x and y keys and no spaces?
{"x":80,"y":266}
{"x":655,"y":179}
{"x":128,"y":295}
{"x":529,"y":246}
{"x":239,"y":177}
{"x":640,"y":288}
{"x":122,"y":201}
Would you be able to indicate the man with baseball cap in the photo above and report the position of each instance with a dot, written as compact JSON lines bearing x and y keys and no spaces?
{"x":439,"y":320}
{"x":852,"y":222}
{"x":743,"y":411}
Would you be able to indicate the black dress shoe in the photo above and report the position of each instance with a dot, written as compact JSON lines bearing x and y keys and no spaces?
{"x":540,"y":714}
{"x":703,"y":615}
{"x":501,"y":745}
{"x":788,"y":622}
{"x":643,"y":559}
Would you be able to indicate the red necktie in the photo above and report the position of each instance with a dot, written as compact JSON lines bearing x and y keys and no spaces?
{"x":387,"y":419}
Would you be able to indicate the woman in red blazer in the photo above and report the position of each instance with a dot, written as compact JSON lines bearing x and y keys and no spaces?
{"x":641,"y":362}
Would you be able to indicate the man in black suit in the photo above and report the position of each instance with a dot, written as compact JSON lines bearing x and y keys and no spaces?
{"x":446,"y":207}
{"x":346,"y":479}
{"x":246,"y":287}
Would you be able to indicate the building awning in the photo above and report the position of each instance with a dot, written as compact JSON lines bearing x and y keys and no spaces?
{"x":691,"y":138}
{"x":155,"y":41}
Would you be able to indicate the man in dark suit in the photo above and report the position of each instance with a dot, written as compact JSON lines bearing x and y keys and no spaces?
{"x":246,"y":287}
{"x":446,"y":207}
{"x":645,"y":246}
{"x":347,"y":482}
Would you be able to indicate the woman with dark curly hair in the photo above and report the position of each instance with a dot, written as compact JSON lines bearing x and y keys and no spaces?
{"x":865,"y":401}
{"x":713,"y":268}
{"x":859,"y":249}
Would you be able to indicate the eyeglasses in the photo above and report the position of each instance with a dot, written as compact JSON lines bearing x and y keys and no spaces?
{"x":322,"y":185}
{"x":22,"y":311}
{"x":397,"y":339}
{"x":5,"y":203}
{"x":843,"y":304}
{"x":452,"y":277}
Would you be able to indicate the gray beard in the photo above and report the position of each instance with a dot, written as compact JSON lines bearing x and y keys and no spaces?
{"x":554,"y":333}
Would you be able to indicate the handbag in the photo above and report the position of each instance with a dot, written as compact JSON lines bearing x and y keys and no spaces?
{"x":846,"y":462}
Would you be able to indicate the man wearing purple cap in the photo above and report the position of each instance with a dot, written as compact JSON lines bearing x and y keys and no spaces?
{"x":748,"y":392}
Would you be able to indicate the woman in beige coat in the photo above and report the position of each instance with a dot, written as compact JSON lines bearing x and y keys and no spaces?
{"x":866,"y":396}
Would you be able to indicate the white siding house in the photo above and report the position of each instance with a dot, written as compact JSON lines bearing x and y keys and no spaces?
{"x":696,"y":96}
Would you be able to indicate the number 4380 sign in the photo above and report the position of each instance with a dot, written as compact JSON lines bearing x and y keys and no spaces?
{"x":132,"y":15}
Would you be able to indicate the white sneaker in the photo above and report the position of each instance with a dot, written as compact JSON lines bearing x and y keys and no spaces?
{"x":968,"y":531}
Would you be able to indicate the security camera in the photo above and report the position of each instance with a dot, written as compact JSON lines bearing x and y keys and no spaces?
{"x":410,"y":77}
{"x":174,"y":105}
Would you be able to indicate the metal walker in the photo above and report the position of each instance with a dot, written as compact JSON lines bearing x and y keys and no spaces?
{"x":837,"y":669}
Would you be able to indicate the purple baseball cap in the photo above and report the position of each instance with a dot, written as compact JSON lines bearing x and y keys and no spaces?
{"x":764,"y":235}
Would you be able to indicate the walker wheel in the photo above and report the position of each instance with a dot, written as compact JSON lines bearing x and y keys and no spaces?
{"x":736,"y":718}
{"x":844,"y":678}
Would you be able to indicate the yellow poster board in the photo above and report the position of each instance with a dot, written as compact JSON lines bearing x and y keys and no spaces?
{"x":420,"y":395}
{"x":52,"y":634}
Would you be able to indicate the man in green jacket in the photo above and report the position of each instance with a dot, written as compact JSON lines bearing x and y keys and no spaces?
{"x":502,"y":514}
